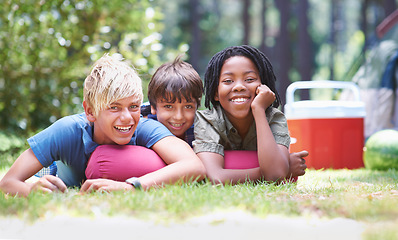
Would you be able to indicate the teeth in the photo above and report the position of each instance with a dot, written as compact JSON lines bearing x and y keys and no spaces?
{"x":176,"y":125}
{"x":123,"y":129}
{"x":239,"y":100}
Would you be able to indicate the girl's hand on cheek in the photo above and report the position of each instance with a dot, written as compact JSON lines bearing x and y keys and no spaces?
{"x":264,"y":97}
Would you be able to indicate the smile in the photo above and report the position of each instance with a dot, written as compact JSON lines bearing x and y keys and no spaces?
{"x":177,"y":125}
{"x":239,"y":100}
{"x":123,"y":129}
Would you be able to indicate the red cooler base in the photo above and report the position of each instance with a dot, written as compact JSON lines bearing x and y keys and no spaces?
{"x":331,"y":142}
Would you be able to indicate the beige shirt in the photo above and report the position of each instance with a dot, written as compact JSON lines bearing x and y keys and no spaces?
{"x":215,"y":133}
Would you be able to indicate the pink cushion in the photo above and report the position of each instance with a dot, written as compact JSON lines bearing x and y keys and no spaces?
{"x":237,"y":159}
{"x":119,"y":163}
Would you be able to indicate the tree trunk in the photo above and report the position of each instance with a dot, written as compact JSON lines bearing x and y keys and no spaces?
{"x":195,"y":46}
{"x":305,"y":55}
{"x":364,"y":22}
{"x":283,"y":60}
{"x":246,"y":21}
{"x":263,"y":46}
{"x":332,"y":41}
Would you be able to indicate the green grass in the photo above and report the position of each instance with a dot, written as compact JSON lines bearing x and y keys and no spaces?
{"x":370,"y":197}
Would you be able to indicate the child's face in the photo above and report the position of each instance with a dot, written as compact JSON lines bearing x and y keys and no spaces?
{"x":178,"y":117}
{"x":116,"y":124}
{"x":239,"y":79}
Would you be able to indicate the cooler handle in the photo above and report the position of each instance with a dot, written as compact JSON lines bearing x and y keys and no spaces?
{"x":320,"y":84}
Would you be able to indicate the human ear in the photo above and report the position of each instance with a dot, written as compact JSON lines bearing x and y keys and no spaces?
{"x":153,"y":110}
{"x":216,"y":97}
{"x":89,"y":112}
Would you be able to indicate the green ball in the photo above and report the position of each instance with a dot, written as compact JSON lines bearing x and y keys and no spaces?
{"x":381,"y":150}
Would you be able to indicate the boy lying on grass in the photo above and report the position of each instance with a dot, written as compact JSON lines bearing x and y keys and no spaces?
{"x":112,"y":99}
{"x":174,"y":93}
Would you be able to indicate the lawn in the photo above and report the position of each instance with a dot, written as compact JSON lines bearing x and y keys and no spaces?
{"x":368,"y":197}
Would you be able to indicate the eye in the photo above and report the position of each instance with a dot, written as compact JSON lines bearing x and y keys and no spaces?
{"x":113,"y":107}
{"x":251,"y":79}
{"x":189,"y":107}
{"x":134,"y":107}
{"x":227,"y":81}
{"x":168,"y":106}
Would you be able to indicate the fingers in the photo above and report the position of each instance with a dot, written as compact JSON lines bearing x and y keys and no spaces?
{"x":297,"y":163}
{"x":49,"y":183}
{"x":94,"y":185}
{"x":265,"y":89}
{"x":264,"y":97}
{"x":89,"y":186}
{"x":302,"y":154}
{"x":104,"y":185}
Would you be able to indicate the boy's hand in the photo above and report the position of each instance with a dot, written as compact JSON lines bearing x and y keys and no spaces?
{"x":297,"y":164}
{"x":49,"y":183}
{"x":106,"y":185}
{"x":264,"y":97}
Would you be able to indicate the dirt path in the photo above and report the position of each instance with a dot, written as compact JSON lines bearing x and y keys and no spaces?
{"x":228,"y":226}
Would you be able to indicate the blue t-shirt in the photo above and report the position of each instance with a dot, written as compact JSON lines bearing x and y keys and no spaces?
{"x":70,"y":140}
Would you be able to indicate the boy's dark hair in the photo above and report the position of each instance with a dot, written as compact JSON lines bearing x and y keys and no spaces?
{"x":175,"y":81}
{"x":259,"y":59}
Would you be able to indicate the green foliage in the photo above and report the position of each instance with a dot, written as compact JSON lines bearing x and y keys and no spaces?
{"x":10,"y":142}
{"x":47,"y":48}
{"x":11,"y":146}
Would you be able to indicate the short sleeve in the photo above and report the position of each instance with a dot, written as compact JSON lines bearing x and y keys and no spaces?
{"x":278,"y":124}
{"x":60,"y":141}
{"x":207,"y":138}
{"x":149,"y":132}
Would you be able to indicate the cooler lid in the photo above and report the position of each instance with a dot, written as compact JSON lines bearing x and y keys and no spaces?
{"x":323,"y":109}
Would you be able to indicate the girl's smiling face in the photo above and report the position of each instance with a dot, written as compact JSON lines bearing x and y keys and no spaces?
{"x":239,"y":79}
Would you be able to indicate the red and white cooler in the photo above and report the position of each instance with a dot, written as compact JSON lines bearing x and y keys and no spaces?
{"x":332,"y":131}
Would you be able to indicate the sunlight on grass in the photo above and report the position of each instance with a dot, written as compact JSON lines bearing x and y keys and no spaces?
{"x":362,"y":195}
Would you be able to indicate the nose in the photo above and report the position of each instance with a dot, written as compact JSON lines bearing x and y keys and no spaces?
{"x":178,"y":115}
{"x":239,"y":86}
{"x":125,"y":116}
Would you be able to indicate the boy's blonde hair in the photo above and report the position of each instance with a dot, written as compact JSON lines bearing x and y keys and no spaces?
{"x":111,"y":80}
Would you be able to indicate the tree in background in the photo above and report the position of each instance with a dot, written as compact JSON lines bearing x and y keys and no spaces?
{"x":47,"y":47}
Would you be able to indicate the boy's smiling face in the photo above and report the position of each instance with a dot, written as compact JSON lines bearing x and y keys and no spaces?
{"x":178,"y":117}
{"x":117,"y":123}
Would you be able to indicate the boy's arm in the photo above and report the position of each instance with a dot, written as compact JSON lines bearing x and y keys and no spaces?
{"x":182,"y":163}
{"x":23,"y":168}
{"x":273,"y":158}
{"x":217,"y":174}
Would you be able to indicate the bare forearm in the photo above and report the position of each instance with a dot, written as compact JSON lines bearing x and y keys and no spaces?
{"x":14,"y":187}
{"x":272,"y":160}
{"x":184,"y":171}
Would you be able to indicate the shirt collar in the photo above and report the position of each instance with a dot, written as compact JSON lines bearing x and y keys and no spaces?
{"x":88,"y":142}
